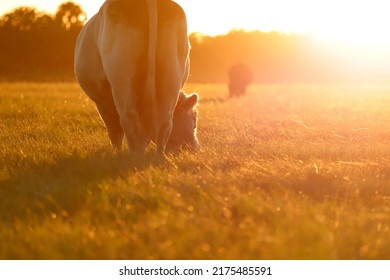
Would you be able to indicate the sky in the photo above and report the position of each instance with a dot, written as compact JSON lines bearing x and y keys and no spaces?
{"x":359,"y":21}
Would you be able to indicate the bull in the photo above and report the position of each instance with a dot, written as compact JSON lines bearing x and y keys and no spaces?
{"x":132,"y":60}
{"x":240,"y":76}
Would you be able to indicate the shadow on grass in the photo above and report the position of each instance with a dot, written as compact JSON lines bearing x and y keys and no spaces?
{"x":63,"y":186}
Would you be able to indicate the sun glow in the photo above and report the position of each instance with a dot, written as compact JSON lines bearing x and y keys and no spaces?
{"x":91,"y":7}
{"x":359,"y":21}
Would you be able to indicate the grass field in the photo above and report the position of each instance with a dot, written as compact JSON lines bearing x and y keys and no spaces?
{"x":287,"y":172}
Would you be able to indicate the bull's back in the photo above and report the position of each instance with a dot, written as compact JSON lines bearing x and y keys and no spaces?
{"x":123,"y":36}
{"x":172,"y":28}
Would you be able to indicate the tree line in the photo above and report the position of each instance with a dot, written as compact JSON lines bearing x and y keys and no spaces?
{"x":39,"y":46}
{"x":287,"y":58}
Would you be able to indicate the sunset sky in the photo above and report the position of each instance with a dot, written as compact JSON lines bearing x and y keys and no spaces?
{"x":360,"y":21}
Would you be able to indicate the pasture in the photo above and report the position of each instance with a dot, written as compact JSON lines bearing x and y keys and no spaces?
{"x":287,"y":172}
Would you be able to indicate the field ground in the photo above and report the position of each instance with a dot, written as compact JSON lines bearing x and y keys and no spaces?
{"x":287,"y":172}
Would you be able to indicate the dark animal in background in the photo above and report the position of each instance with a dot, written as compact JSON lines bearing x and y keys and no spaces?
{"x":132,"y":59}
{"x":240,"y":76}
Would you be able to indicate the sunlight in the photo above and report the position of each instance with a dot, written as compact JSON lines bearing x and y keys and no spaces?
{"x":91,"y":7}
{"x":363,"y":22}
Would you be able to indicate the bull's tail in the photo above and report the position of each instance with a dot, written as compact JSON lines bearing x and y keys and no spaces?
{"x":150,"y":86}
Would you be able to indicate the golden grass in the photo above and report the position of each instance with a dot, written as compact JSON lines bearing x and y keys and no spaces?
{"x":287,"y":172}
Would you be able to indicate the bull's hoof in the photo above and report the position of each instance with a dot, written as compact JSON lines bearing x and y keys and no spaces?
{"x":160,"y":159}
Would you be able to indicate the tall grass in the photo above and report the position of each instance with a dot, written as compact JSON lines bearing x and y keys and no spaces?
{"x":287,"y":172}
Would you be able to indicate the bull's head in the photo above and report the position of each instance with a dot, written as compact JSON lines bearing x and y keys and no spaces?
{"x":185,"y":121}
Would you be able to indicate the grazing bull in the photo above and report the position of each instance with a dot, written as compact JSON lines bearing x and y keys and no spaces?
{"x":132,"y":59}
{"x":240,"y":76}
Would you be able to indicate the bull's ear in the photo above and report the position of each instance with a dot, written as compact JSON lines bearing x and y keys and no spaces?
{"x":191,"y":101}
{"x":182,"y":97}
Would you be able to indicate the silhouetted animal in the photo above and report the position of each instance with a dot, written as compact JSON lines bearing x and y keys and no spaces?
{"x":132,"y":59}
{"x":240,"y":76}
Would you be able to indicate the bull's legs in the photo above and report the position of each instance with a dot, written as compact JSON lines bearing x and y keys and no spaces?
{"x":172,"y":67}
{"x":168,"y":89}
{"x":164,"y":129}
{"x":122,"y":50}
{"x":136,"y":136}
{"x":128,"y":115}
{"x":110,"y":118}
{"x":137,"y":139}
{"x":100,"y":93}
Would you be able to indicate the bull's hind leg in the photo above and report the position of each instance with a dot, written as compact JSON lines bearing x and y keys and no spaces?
{"x":128,"y":117}
{"x":169,"y":81}
{"x":172,"y":67}
{"x":166,"y":108}
{"x":125,"y":96}
{"x":123,"y":49}
{"x":110,"y":118}
{"x":92,"y":79}
{"x":100,"y":93}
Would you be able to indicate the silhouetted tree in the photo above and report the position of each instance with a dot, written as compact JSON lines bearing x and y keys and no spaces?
{"x":35,"y":45}
{"x":20,"y":19}
{"x":70,"y":15}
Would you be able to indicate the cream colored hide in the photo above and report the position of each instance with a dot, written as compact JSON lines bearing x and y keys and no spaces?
{"x":132,"y":59}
